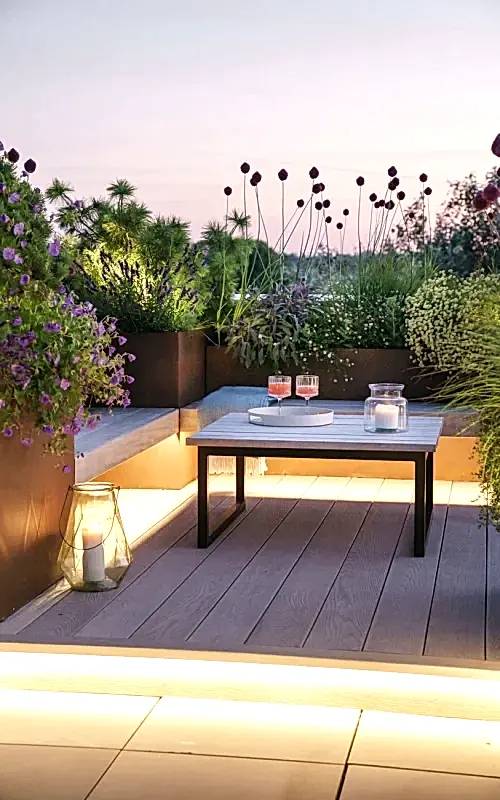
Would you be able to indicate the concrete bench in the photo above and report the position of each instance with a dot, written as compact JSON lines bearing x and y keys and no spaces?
{"x":120,"y":436}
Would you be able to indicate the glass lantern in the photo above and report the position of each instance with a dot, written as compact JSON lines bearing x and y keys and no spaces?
{"x":94,"y":554}
{"x":386,"y":410}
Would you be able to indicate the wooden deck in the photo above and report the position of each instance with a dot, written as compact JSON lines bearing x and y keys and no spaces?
{"x":315,"y":564}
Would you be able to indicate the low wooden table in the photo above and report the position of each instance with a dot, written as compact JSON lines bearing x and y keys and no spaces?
{"x":346,"y":438}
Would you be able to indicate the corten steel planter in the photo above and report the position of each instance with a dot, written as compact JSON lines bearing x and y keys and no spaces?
{"x":365,"y":367}
{"x":32,"y":492}
{"x":169,"y":369}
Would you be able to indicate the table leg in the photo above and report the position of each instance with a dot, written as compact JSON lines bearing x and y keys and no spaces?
{"x":420,"y":509}
{"x":203,"y":520}
{"x":429,"y":487}
{"x":206,"y":534}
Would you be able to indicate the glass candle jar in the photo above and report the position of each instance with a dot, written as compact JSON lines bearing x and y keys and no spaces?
{"x":386,"y":410}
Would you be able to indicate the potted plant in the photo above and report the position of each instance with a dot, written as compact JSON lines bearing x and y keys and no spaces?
{"x":158,"y":307}
{"x":55,"y":354}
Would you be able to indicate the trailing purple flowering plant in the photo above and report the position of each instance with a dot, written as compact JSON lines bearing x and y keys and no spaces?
{"x":56,"y":355}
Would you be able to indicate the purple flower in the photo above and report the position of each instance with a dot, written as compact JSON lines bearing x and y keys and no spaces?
{"x":131,"y":357}
{"x":54,"y":248}
{"x":75,"y":359}
{"x":48,"y":429}
{"x":126,"y":402}
{"x":9,"y":254}
{"x":65,"y":384}
{"x":2,"y":403}
{"x":4,"y":218}
{"x":24,"y":244}
{"x":1,"y":147}
{"x":8,"y":432}
{"x":115,"y":380}
{"x":122,"y":340}
{"x":101,"y":329}
{"x":77,"y":311}
{"x":77,"y":204}
{"x":16,"y":322}
{"x":130,"y":379}
{"x":14,"y":197}
{"x":52,"y":327}
{"x":66,"y":469}
{"x":27,"y":442}
{"x":18,"y":228}
{"x":18,"y":259}
{"x":45,"y":399}
{"x":37,"y":208}
{"x":62,"y":290}
{"x":24,"y":279}
{"x":24,"y":174}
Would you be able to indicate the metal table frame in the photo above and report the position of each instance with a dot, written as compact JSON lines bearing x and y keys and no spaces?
{"x":424,"y":483}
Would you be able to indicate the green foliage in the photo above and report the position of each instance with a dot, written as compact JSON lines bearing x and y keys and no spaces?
{"x":474,"y":383}
{"x":117,"y":220}
{"x":25,"y":232}
{"x":55,"y":357}
{"x":144,"y":296}
{"x":227,"y":259}
{"x":465,"y":240}
{"x":365,"y":308}
{"x":271,"y":328}
{"x":443,"y":315}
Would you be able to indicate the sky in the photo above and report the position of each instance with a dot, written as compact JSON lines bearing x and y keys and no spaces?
{"x":175,"y":95}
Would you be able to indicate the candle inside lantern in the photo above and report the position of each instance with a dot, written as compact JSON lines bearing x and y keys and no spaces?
{"x":93,"y":548}
{"x":386,"y":417}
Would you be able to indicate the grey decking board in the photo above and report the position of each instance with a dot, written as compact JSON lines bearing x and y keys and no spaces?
{"x":292,"y":613}
{"x":457,"y":617}
{"x":400,"y":621}
{"x":123,"y":616}
{"x":346,"y":433}
{"x":445,"y":625}
{"x":240,"y":609}
{"x":185,"y":610}
{"x":124,"y":437}
{"x":345,"y":619}
{"x":492,"y":595}
{"x":76,"y":609}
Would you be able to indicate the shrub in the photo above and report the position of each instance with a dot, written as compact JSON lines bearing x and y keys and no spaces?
{"x":366,"y":308}
{"x":442,"y":318}
{"x":145,"y":297}
{"x":55,"y":357}
{"x":27,"y":241}
{"x":271,"y":327}
{"x":55,"y":354}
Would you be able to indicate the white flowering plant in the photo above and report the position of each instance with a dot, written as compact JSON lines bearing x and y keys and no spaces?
{"x":444,"y":316}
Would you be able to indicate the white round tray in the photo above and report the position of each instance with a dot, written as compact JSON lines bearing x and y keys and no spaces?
{"x":291,"y":416}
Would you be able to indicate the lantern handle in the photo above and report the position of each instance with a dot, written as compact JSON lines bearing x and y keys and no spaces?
{"x":83,"y":549}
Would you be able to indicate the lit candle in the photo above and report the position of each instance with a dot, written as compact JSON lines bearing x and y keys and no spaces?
{"x":386,"y":417}
{"x":93,"y":550}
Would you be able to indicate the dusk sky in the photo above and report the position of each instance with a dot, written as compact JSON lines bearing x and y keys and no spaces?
{"x":175,"y":95}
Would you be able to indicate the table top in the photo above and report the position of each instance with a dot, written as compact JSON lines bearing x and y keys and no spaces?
{"x":345,"y":433}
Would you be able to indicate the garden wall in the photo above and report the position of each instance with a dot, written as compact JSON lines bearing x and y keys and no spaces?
{"x":348,"y":379}
{"x":32,"y":493}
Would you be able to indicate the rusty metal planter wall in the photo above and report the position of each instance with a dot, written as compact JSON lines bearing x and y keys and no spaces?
{"x":32,"y":492}
{"x":366,"y":366}
{"x":169,"y":370}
